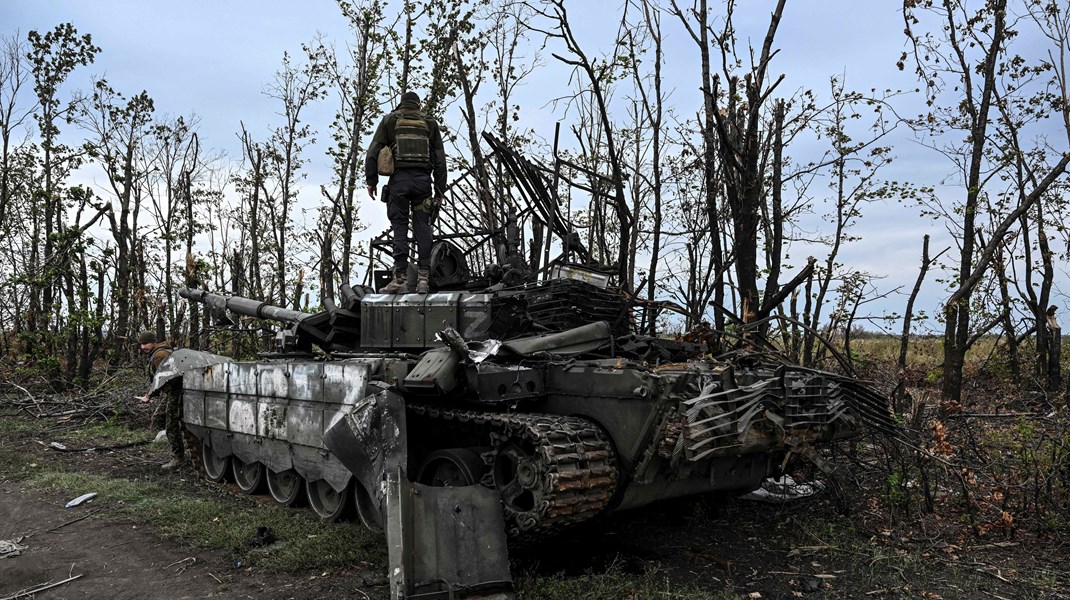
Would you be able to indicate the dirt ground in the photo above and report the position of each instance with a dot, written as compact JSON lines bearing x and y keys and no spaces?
{"x":755,"y":550}
{"x":119,"y":561}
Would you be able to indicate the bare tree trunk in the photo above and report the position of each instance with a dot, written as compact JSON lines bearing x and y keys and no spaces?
{"x":255,"y":155}
{"x":908,"y":317}
{"x":486,"y":198}
{"x":794,"y":345}
{"x":195,"y":338}
{"x":740,"y":146}
{"x":1037,"y":302}
{"x":700,"y":34}
{"x":596,"y":84}
{"x":1054,"y":366}
{"x":84,"y":364}
{"x":1007,"y":321}
{"x":775,"y":242}
{"x":808,"y":339}
{"x":847,"y":334}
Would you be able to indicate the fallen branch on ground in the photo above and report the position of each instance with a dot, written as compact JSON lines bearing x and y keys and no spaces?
{"x":98,"y":448}
{"x":87,"y":515}
{"x":41,"y":588}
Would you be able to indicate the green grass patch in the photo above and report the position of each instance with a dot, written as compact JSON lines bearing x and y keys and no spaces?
{"x":16,"y":425}
{"x":14,"y":466}
{"x":221,"y":523}
{"x":105,"y":434}
{"x":94,"y":433}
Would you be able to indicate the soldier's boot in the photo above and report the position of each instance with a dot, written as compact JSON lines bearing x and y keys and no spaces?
{"x":422,"y":286}
{"x":397,"y":285}
{"x":174,"y":463}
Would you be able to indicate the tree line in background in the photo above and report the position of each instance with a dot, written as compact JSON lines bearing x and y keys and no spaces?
{"x":695,"y":193}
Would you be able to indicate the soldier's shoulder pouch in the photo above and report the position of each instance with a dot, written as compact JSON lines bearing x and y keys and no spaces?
{"x":385,"y":162}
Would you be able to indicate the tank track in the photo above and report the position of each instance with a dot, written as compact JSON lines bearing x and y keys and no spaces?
{"x":572,"y":474}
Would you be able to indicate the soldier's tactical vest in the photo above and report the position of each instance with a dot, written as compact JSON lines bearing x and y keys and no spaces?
{"x":412,"y":141}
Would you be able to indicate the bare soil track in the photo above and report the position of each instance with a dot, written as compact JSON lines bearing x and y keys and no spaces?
{"x":119,"y":559}
{"x":113,"y":559}
{"x":721,"y":547}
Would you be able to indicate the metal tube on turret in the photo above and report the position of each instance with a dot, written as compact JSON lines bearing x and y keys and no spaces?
{"x":244,"y":306}
{"x":350,"y":299}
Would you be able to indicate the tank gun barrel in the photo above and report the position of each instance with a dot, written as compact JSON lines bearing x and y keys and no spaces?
{"x":244,"y":306}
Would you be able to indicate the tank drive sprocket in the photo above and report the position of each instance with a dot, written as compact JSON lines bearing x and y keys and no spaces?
{"x":551,"y":471}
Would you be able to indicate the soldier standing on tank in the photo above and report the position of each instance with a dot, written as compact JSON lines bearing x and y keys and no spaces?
{"x":171,"y":414}
{"x":416,"y":143}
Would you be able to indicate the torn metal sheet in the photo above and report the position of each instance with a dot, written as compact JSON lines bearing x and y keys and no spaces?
{"x":180,"y":362}
{"x":371,"y":442}
{"x":483,"y":351}
{"x":445,"y":542}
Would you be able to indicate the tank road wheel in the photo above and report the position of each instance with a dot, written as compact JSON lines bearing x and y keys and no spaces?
{"x":248,"y":476}
{"x":286,"y":487}
{"x":367,"y":509}
{"x":451,"y":467}
{"x":324,"y":501}
{"x":215,"y":466}
{"x":518,"y":479}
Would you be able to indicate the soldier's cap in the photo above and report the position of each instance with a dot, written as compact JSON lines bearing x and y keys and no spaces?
{"x":410,"y":97}
{"x":147,"y":337}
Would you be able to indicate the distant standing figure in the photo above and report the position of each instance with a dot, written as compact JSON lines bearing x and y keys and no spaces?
{"x":416,"y":142}
{"x":159,"y":351}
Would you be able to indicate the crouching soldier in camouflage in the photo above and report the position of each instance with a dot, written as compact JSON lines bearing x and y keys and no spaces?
{"x":168,"y":416}
{"x":416,"y":143}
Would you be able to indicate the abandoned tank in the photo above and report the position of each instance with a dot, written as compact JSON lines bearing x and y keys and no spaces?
{"x":502,"y":407}
{"x":550,"y":420}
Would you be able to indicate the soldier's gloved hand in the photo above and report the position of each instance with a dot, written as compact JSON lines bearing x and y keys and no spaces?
{"x":437,"y":202}
{"x":371,"y":192}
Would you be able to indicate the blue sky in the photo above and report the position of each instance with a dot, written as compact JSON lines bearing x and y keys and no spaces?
{"x":215,"y":58}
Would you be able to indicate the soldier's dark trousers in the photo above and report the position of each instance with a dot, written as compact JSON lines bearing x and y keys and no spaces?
{"x":408,"y":189}
{"x":173,"y":414}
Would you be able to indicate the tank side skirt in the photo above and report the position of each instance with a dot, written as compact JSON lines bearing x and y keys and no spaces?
{"x":276,"y":413}
{"x":622,"y":398}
